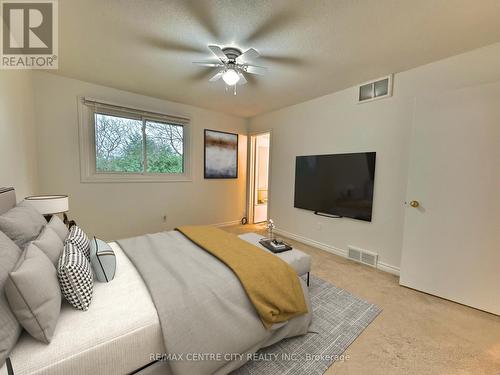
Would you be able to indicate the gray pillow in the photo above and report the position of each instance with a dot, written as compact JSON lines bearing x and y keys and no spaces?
{"x":22,"y":224}
{"x":59,"y":227}
{"x":9,"y":326}
{"x":102,"y":258}
{"x":32,"y":290}
{"x":49,"y":242}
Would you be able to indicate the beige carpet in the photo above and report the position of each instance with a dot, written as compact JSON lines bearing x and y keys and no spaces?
{"x":416,"y":333}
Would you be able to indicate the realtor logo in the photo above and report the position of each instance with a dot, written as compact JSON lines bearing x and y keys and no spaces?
{"x":29,"y":34}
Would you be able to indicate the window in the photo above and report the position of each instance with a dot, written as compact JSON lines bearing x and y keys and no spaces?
{"x":164,"y":147}
{"x":119,"y":145}
{"x":130,"y":145}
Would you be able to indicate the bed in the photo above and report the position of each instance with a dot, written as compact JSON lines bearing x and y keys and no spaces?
{"x":126,"y":331}
{"x":115,"y":336}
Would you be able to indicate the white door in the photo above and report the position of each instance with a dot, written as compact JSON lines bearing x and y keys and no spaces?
{"x":452,"y":239}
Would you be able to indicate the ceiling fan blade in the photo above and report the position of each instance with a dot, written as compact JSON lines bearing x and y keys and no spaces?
{"x":216,"y":76}
{"x":254,"y":69}
{"x":161,"y":43}
{"x":248,"y":55}
{"x":208,"y":63}
{"x":217,"y":51}
{"x":242,"y":80}
{"x":202,"y":74}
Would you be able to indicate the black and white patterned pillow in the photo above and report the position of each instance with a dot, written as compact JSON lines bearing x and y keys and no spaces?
{"x":75,"y":277}
{"x":77,"y":237}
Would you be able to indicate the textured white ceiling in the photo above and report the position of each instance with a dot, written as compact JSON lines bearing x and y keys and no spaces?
{"x":310,"y":47}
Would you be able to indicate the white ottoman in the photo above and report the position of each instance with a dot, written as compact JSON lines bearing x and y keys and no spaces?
{"x":299,"y":261}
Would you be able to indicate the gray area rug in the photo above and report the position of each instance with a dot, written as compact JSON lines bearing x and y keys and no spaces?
{"x":338,"y":319}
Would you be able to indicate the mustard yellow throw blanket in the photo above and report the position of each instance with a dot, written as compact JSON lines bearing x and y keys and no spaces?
{"x":271,"y":284}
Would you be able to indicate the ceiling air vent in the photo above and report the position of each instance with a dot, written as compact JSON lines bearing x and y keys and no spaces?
{"x":373,"y":90}
{"x":362,"y":256}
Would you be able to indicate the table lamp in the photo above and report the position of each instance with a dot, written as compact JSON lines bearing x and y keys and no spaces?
{"x":49,"y":205}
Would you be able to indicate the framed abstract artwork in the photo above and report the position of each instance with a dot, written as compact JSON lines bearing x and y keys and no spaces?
{"x":221,"y":154}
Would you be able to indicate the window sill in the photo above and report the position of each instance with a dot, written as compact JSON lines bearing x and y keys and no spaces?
{"x":134,"y":178}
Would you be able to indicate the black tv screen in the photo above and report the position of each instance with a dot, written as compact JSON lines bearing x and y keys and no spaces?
{"x":338,"y":184}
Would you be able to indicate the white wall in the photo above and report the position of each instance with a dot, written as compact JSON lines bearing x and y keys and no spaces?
{"x":336,"y":124}
{"x":117,"y":210}
{"x":17,"y":135}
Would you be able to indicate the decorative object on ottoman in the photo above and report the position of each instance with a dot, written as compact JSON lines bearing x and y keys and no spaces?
{"x":271,"y":243}
{"x":270,"y":228}
{"x":275,"y":246}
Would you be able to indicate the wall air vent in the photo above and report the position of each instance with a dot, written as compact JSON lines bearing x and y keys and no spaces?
{"x":354,"y":254}
{"x":377,"y":89}
{"x":362,"y":256}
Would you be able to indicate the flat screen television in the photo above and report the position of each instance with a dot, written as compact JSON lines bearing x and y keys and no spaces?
{"x":337,"y":184}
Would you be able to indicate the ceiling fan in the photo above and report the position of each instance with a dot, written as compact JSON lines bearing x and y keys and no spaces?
{"x":233,"y":65}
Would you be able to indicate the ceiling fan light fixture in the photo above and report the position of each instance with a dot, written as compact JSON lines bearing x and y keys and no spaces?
{"x":233,"y":65}
{"x":231,"y":77}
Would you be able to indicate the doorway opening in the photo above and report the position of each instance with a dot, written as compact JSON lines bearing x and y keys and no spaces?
{"x":260,"y":145}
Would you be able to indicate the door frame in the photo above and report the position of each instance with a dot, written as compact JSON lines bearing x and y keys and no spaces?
{"x":251,"y":173}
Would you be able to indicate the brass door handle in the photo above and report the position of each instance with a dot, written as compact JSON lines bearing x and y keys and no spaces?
{"x":414,"y":204}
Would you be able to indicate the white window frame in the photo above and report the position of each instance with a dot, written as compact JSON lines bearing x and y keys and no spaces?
{"x":88,"y":107}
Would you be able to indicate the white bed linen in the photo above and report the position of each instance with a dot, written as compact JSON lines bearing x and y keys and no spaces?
{"x":115,"y":336}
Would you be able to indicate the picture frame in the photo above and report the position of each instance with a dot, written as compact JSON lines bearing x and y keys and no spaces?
{"x":220,"y":154}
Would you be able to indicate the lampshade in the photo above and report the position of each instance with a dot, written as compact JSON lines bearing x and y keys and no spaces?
{"x":49,"y":204}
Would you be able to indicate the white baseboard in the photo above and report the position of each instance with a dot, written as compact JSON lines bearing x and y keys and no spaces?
{"x":332,"y":249}
{"x":388,"y":268}
{"x":308,"y":241}
{"x":227,"y":223}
